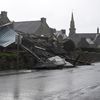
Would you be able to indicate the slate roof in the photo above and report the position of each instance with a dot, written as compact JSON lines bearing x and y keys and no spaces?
{"x":97,"y":39}
{"x":28,"y":27}
{"x":77,"y":37}
{"x":7,"y":36}
{"x":86,"y":35}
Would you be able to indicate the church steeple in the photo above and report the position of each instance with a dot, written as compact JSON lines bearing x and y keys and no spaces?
{"x":97,"y":30}
{"x":72,"y":29}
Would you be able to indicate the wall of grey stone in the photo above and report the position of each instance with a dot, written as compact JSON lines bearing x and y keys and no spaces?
{"x":91,"y":57}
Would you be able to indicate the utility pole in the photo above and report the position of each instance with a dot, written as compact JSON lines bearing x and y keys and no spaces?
{"x":17,"y":53}
{"x":18,"y":44}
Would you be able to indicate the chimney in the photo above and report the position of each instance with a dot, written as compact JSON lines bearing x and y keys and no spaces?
{"x":3,"y":13}
{"x":43,"y":20}
{"x":97,"y":30}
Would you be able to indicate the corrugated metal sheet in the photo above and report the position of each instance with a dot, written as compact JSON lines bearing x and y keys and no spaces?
{"x":7,"y":37}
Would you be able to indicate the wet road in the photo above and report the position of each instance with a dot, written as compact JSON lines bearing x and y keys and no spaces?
{"x":82,"y":83}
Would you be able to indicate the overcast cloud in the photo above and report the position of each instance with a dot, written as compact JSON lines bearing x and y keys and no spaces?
{"x":57,"y":12}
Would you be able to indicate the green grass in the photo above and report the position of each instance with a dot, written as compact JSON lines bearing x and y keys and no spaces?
{"x":7,"y":54}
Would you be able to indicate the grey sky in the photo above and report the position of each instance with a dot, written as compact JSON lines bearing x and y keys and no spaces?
{"x":57,"y":12}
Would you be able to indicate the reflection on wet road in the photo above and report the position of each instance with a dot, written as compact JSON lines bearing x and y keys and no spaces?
{"x":81,"y":83}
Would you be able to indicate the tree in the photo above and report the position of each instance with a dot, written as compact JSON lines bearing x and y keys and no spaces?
{"x":69,"y":46}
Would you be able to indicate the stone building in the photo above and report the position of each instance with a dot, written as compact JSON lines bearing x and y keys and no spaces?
{"x":92,"y":39}
{"x":36,"y":28}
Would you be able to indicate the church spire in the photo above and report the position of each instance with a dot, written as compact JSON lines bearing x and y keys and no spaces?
{"x":72,"y":28}
{"x":97,"y":30}
{"x":72,"y":17}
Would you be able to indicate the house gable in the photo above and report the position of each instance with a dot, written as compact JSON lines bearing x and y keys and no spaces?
{"x":43,"y":30}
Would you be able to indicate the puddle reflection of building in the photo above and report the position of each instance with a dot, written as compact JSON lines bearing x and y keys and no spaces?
{"x":16,"y":92}
{"x":70,"y":84}
{"x":40,"y":87}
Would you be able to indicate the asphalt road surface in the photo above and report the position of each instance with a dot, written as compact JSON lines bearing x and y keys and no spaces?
{"x":81,"y":83}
